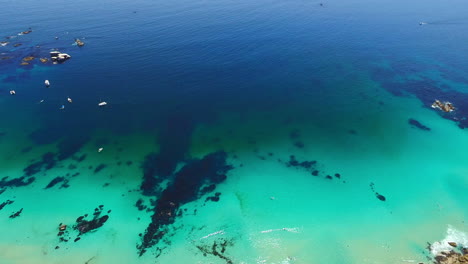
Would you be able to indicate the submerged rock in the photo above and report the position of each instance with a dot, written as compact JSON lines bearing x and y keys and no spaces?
{"x":7,"y":202}
{"x":54,"y":182}
{"x":84,"y":226}
{"x":17,"y":182}
{"x":377,"y":195}
{"x":416,"y":123}
{"x":17,"y":214}
{"x":380,"y":197}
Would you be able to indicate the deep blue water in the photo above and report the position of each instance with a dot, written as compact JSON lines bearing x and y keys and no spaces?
{"x":168,"y":66}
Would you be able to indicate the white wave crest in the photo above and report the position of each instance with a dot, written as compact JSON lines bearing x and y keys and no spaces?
{"x":453,"y":235}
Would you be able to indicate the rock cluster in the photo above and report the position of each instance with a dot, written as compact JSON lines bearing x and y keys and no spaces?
{"x":445,"y":106}
{"x":453,"y":257}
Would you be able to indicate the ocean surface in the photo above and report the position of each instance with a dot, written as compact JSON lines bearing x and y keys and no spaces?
{"x":265,"y":131}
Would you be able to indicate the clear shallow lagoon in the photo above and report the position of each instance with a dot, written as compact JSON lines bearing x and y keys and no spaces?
{"x":258,"y":81}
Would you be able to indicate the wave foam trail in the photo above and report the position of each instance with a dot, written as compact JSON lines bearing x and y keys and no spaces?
{"x":213,"y":234}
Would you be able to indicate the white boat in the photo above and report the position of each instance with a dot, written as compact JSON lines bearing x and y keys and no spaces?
{"x":100,"y":149}
{"x":69,"y":100}
{"x":47,"y":83}
{"x":12,"y":92}
{"x":101,"y":104}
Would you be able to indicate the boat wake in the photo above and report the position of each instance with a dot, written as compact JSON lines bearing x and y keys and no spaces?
{"x":292,"y":230}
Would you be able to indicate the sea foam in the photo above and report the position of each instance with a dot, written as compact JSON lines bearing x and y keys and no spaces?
{"x":453,"y":235}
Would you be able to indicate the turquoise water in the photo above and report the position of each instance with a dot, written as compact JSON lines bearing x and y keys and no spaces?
{"x":295,"y":115}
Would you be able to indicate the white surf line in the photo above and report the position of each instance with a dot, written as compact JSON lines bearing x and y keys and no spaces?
{"x":213,"y":234}
{"x":292,"y":230}
{"x":453,"y":235}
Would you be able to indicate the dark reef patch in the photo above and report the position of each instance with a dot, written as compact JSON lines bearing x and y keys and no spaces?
{"x":295,"y":134}
{"x":174,"y":142}
{"x":299,"y":144}
{"x":17,"y":182}
{"x":380,"y":197}
{"x":150,"y":179}
{"x":377,"y":195}
{"x":7,"y":202}
{"x":304,"y":164}
{"x":70,"y":145}
{"x":83,"y":226}
{"x":309,"y":166}
{"x":417,"y":124}
{"x":47,"y":162}
{"x":214,"y":198}
{"x":217,"y":249}
{"x":99,"y":168}
{"x":26,"y":149}
{"x":54,"y":181}
{"x":186,"y":186}
{"x":16,"y":214}
{"x":139,"y":204}
{"x":79,"y":158}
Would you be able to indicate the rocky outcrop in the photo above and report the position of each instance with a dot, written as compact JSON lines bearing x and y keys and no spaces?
{"x":452,"y":257}
{"x":79,"y":43}
{"x":445,"y":106}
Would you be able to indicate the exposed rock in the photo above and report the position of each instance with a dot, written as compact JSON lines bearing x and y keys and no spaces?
{"x":29,"y":58}
{"x":27,"y":31}
{"x":453,"y":244}
{"x":445,"y":106}
{"x":452,"y":257}
{"x":79,"y":43}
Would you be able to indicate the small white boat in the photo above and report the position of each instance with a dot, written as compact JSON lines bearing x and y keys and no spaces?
{"x":69,"y":100}
{"x":12,"y":92}
{"x":101,"y":104}
{"x":41,"y":101}
{"x":47,"y":83}
{"x":100,"y":150}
